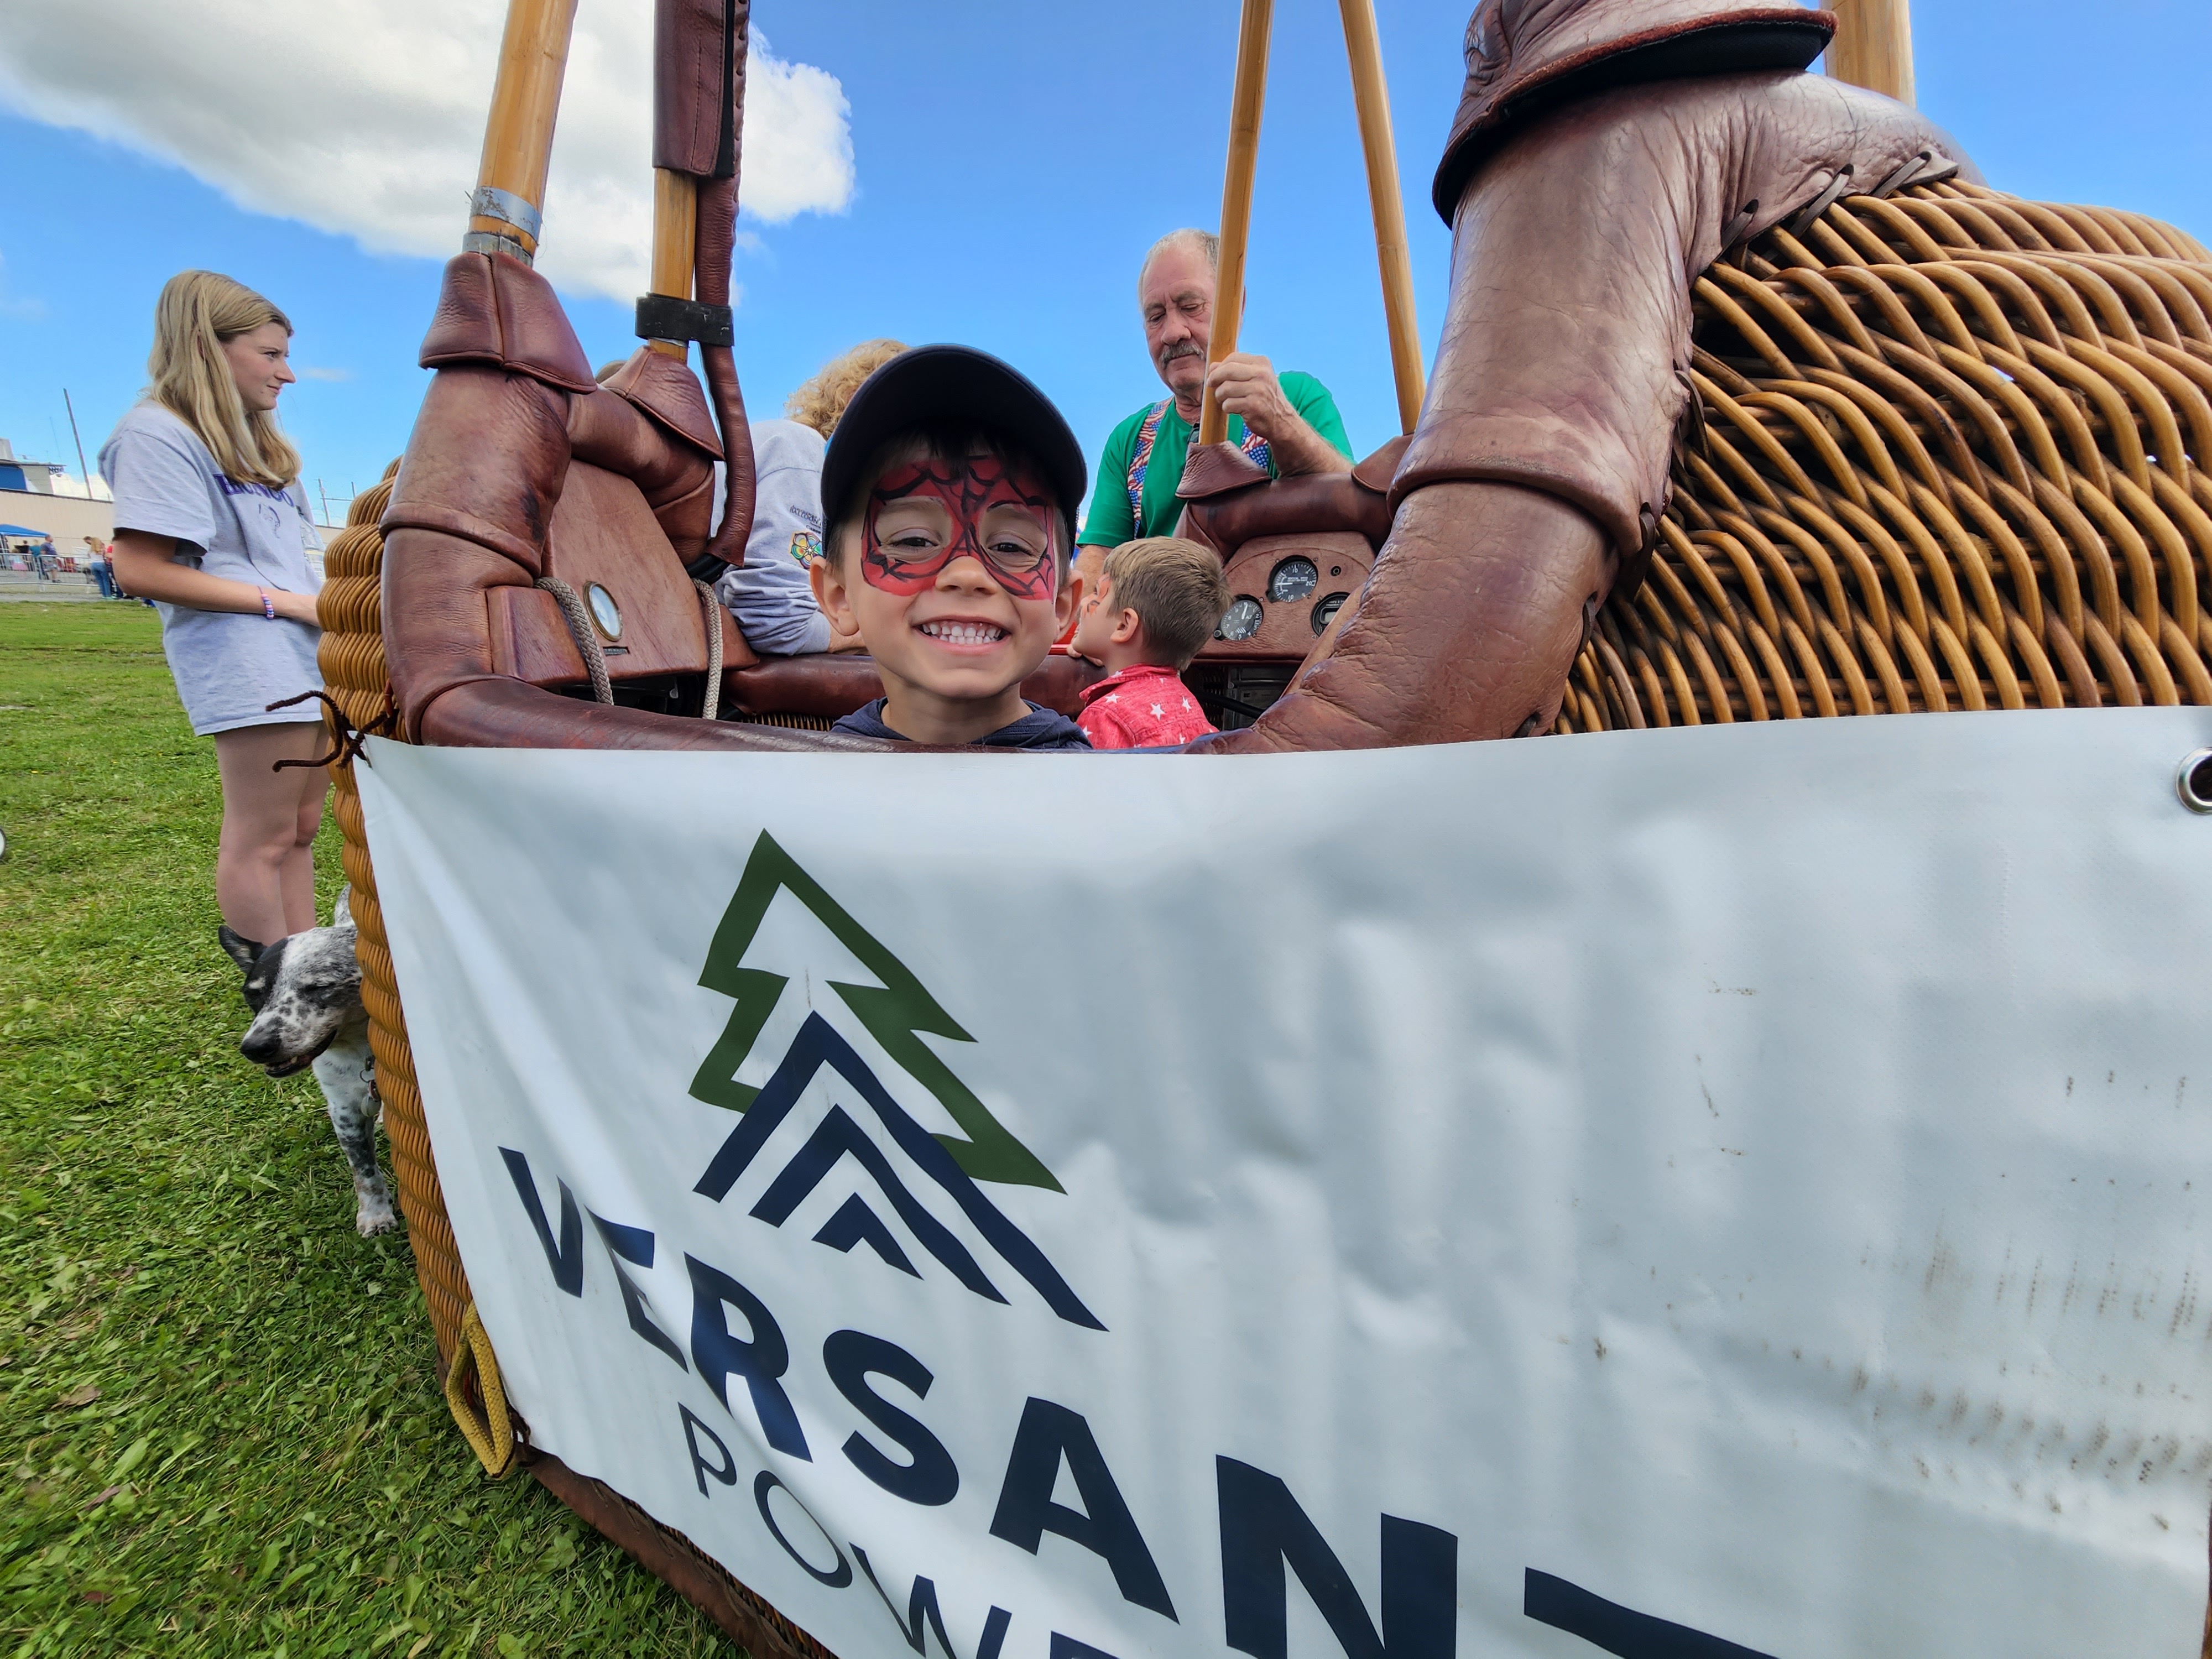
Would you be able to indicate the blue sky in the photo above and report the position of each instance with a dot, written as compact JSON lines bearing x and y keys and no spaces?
{"x":1011,"y":163}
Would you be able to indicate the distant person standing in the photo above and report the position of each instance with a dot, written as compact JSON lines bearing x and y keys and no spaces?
{"x":211,"y":522}
{"x":103,"y":577}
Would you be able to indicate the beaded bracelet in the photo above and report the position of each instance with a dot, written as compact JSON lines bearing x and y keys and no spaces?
{"x":268,"y":604}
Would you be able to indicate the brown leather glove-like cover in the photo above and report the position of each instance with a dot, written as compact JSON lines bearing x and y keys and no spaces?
{"x":512,"y":403}
{"x":1539,"y":467}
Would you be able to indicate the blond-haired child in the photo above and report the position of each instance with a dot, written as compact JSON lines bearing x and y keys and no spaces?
{"x":1158,"y":605}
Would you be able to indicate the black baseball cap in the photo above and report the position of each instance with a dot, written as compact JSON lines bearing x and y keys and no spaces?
{"x":951,"y":383}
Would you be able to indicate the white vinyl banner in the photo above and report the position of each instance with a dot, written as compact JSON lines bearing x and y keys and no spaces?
{"x":1723,"y":1192}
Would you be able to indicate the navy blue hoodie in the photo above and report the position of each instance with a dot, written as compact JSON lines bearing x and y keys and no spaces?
{"x":1038,"y":729}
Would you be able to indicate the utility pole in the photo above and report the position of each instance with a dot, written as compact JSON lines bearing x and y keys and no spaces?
{"x":80,"y":472}
{"x":1873,"y":47}
{"x":325,"y":494}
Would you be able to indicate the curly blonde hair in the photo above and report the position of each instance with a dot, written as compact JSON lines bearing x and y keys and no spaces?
{"x":198,"y":311}
{"x":821,"y":402}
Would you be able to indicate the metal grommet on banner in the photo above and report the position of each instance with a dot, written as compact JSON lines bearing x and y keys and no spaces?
{"x":491,"y":1431}
{"x":2193,"y":782}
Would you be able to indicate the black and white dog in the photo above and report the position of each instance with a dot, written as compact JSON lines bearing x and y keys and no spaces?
{"x":305,"y":993}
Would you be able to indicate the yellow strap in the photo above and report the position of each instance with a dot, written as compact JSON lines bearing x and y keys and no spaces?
{"x":490,"y":1432}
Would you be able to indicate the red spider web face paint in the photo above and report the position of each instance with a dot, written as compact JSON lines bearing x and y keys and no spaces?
{"x":923,"y":517}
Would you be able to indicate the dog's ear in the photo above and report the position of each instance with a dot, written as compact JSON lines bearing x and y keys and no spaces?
{"x":242,"y":950}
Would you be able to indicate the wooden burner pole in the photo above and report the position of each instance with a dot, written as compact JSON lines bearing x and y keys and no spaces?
{"x":1873,"y":47}
{"x":1251,"y":91}
{"x":1372,"y":98}
{"x":533,"y":56}
{"x":675,"y":238}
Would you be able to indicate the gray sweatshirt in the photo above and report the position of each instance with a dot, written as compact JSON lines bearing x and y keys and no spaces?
{"x":769,"y":594}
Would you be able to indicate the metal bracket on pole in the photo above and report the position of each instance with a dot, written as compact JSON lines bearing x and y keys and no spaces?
{"x":664,"y":316}
{"x":489,"y":202}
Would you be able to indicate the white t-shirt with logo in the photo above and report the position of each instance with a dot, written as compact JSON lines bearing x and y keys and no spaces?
{"x":229,"y":667}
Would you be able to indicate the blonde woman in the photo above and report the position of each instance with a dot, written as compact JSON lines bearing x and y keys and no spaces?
{"x":769,"y":594}
{"x":211,"y":524}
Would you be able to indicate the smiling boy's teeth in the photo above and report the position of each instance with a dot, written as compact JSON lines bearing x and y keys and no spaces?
{"x":963,"y":632}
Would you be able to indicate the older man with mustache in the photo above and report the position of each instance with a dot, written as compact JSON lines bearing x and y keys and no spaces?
{"x":1287,"y":422}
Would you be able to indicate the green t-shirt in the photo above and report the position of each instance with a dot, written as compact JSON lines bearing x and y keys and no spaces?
{"x":1110,"y":522}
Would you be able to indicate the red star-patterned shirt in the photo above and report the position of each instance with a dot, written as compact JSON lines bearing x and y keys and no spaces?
{"x":1146,"y":707}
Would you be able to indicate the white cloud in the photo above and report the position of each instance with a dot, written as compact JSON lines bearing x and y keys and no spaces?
{"x":365,"y":117}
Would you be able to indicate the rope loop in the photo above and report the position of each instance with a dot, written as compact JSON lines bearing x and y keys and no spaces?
{"x":710,"y":704}
{"x":491,"y":1431}
{"x":580,"y":630}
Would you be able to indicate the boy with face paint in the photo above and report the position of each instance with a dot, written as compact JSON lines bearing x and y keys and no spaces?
{"x":948,"y":492}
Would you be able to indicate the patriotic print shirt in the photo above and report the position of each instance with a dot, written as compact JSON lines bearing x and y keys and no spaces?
{"x":1146,"y":707}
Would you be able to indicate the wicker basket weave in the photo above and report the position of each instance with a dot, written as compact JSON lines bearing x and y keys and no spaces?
{"x":1940,"y":458}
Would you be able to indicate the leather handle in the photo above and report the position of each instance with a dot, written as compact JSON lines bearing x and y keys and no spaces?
{"x":718,"y":234}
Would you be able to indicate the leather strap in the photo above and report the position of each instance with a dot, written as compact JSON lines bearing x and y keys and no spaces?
{"x":664,"y":316}
{"x":698,"y":53}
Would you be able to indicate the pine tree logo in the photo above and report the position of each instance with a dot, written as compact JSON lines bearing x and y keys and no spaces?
{"x":898,"y":1013}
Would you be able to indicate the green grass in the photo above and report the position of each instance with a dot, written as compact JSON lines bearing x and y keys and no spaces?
{"x":220,"y":1423}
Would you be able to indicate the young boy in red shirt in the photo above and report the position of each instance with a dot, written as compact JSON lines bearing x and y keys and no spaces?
{"x":1156,"y":607}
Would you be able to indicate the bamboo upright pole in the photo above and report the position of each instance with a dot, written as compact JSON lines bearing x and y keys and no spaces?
{"x":1372,"y":98}
{"x":675,"y":239}
{"x":533,"y":56}
{"x":1244,"y":103}
{"x":1873,"y":47}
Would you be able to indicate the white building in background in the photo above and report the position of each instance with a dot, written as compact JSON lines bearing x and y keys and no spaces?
{"x":27,"y":498}
{"x":32,"y":478}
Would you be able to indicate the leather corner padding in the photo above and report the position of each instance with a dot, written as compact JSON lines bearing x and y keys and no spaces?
{"x":1377,"y":471}
{"x":1213,"y":469}
{"x":485,"y":461}
{"x":832,"y":685}
{"x":828,"y":686}
{"x":534,"y":330}
{"x":676,"y":476}
{"x":687,"y":519}
{"x":464,"y":326}
{"x":449,"y":521}
{"x":484,"y":710}
{"x":492,"y":308}
{"x":1305,"y":504}
{"x":665,"y":388}
{"x":1525,"y":56}
{"x":470,"y":510}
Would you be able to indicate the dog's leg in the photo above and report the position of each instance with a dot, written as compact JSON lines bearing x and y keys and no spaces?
{"x":346,"y":1071}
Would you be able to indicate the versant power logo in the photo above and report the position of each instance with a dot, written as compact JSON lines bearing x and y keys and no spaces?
{"x":896,"y":1012}
{"x":727,"y":1412}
